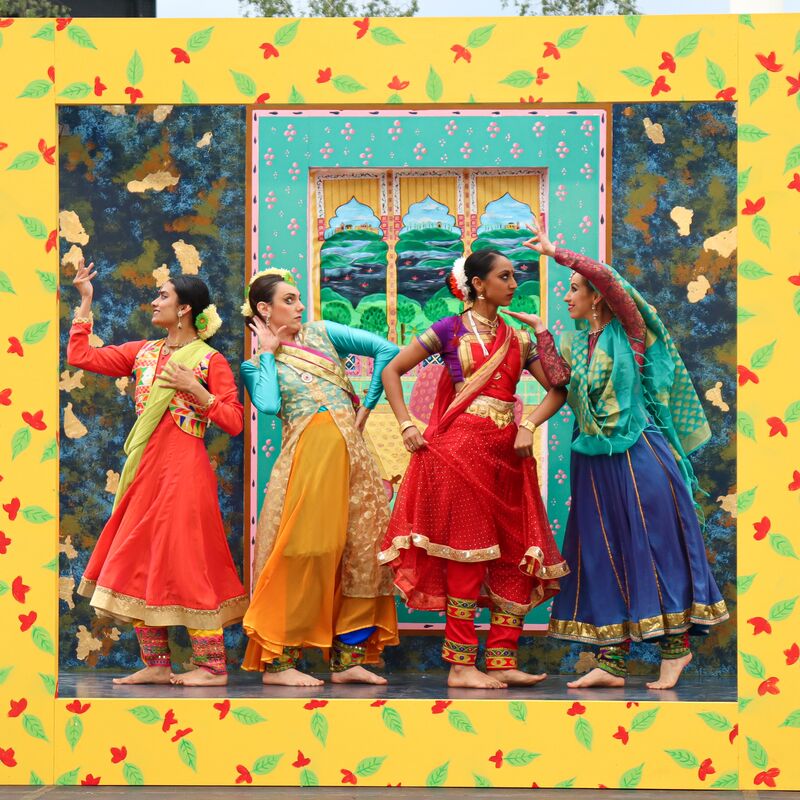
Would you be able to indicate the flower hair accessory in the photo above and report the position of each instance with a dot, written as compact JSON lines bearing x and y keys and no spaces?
{"x":208,"y":322}
{"x":283,"y":274}
{"x":457,"y":282}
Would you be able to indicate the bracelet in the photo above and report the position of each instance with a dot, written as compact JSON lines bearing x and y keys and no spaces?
{"x":404,"y":426}
{"x":83,"y":320}
{"x":528,"y":425}
{"x":210,"y":402}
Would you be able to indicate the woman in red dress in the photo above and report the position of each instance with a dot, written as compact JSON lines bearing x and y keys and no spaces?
{"x":469,"y":527}
{"x":162,"y":558}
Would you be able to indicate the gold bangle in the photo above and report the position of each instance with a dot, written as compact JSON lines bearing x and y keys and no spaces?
{"x":528,"y":425}
{"x":404,"y":426}
{"x":209,"y":402}
{"x":83,"y":320}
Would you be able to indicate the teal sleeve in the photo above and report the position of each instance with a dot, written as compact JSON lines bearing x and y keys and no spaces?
{"x":262,"y":384}
{"x":349,"y":341}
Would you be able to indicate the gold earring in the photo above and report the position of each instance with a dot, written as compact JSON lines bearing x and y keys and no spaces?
{"x":594,"y":312}
{"x":267,"y":318}
{"x":180,"y":324}
{"x":481,"y":297}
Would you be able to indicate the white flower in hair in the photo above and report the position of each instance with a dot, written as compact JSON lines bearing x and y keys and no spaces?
{"x":459,"y":285}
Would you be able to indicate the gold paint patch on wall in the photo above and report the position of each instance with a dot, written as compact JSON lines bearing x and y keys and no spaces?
{"x":682,"y":217}
{"x":115,"y":111}
{"x":161,"y":274}
{"x":205,"y":139}
{"x":112,"y":481}
{"x":73,"y":427}
{"x":728,"y":503}
{"x":724,"y":242}
{"x":72,"y":257}
{"x":66,"y":588}
{"x":71,"y":228}
{"x":69,"y":382}
{"x":155,"y":181}
{"x":714,"y":396}
{"x":188,"y":257}
{"x":122,"y":384}
{"x":160,"y":113}
{"x":654,"y":131}
{"x":87,"y":643}
{"x":697,"y":289}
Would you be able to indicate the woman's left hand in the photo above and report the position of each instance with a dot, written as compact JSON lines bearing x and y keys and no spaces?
{"x":533,"y":320}
{"x":523,"y":444}
{"x":539,"y":241}
{"x":178,"y":377}
{"x":362,"y":415}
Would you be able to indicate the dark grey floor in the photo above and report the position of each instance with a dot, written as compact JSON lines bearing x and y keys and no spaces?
{"x":417,"y":687}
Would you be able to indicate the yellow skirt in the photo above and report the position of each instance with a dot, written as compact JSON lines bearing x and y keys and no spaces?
{"x":297,"y":600}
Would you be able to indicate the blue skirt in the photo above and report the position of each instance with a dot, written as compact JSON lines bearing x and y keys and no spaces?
{"x":638,"y":567}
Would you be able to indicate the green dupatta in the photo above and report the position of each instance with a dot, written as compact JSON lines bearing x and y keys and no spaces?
{"x":614,"y":400}
{"x":157,"y":404}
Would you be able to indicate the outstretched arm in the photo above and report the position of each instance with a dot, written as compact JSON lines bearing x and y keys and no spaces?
{"x":408,"y":358}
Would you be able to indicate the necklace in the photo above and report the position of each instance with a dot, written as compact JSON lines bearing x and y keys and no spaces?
{"x":306,"y":377}
{"x":475,"y":331}
{"x":485,"y":321}
{"x":599,"y":330}
{"x":168,"y":348}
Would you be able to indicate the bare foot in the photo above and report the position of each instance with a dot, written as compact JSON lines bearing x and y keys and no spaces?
{"x":290,"y":677}
{"x":597,"y":677}
{"x":199,"y":677}
{"x":462,"y":677}
{"x":516,"y":677}
{"x":671,"y":669}
{"x":357,"y":674}
{"x":146,"y":675}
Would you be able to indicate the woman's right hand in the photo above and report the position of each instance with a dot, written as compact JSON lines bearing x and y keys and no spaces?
{"x":83,"y":280}
{"x":413,"y":440}
{"x":268,"y":341}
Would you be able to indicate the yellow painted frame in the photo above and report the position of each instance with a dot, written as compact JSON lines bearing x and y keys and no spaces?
{"x":413,"y":742}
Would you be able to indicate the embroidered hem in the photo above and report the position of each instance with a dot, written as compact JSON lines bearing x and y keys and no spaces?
{"x":439,"y":550}
{"x":457,"y":653}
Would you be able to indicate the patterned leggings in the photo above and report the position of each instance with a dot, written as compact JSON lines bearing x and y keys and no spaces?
{"x":208,"y":647}
{"x":612,"y":658}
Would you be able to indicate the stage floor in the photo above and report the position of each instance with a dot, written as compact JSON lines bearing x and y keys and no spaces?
{"x":402,"y":687}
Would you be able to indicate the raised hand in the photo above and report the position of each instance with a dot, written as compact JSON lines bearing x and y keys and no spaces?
{"x":533,"y":320}
{"x":539,"y":242}
{"x":83,"y":280}
{"x":268,"y":341}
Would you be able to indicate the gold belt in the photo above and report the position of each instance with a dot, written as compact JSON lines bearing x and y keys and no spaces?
{"x":500,"y":412}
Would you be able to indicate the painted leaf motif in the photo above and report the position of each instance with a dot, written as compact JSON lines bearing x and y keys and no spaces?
{"x":392,"y":720}
{"x":146,"y":714}
{"x":570,"y":37}
{"x":520,"y":757}
{"x":518,"y":710}
{"x":796,"y":302}
{"x":49,"y":683}
{"x":4,"y":673}
{"x":3,"y":588}
{"x":73,"y":731}
{"x":81,"y":37}
{"x":480,"y":36}
{"x":759,"y":85}
{"x":742,"y":180}
{"x":792,"y":720}
{"x":35,"y":780}
{"x":286,"y":33}
{"x":26,"y":160}
{"x":763,"y":356}
{"x":744,"y":582}
{"x":751,"y":133}
{"x":715,"y":721}
{"x":715,"y":74}
{"x":49,"y":452}
{"x":746,"y":19}
{"x":51,"y":565}
{"x":295,"y":97}
{"x":638,"y":75}
{"x":684,"y":758}
{"x":460,"y":721}
{"x":782,"y":546}
{"x":742,"y":314}
{"x":33,"y":726}
{"x":188,"y":95}
{"x":199,"y":39}
{"x":753,"y":666}
{"x":481,"y":782}
{"x":745,"y":425}
{"x":792,"y":159}
{"x":752,"y":271}
{"x":132,"y":774}
{"x":796,"y":42}
{"x":583,"y":732}
{"x":434,"y":86}
{"x":319,"y":727}
{"x":347,"y":84}
{"x":792,"y":412}
{"x":135,"y":70}
{"x":188,"y":753}
{"x":643,"y":720}
{"x":757,"y":754}
{"x":36,"y":514}
{"x":369,"y":766}
{"x":244,"y":83}
{"x":782,"y":609}
{"x":5,"y":284}
{"x":394,"y":98}
{"x":48,"y":280}
{"x":584,"y":95}
{"x":68,"y":778}
{"x":43,"y":640}
{"x":34,"y":334}
{"x":247,"y":716}
{"x":385,"y":36}
{"x":438,"y":775}
{"x":567,"y":784}
{"x":743,"y":703}
{"x":631,"y":778}
{"x":687,"y":45}
{"x":519,"y":79}
{"x":762,"y":230}
{"x":266,"y":764}
{"x":46,"y":32}
{"x":20,"y":441}
{"x":632,"y":21}
{"x":34,"y":227}
{"x":728,"y":780}
{"x":76,"y":91}
{"x":745,"y":499}
{"x":36,"y":89}
{"x":308,"y":778}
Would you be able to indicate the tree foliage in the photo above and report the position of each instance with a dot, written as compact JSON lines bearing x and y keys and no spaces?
{"x":576,"y":8}
{"x":32,"y":8}
{"x":328,"y":8}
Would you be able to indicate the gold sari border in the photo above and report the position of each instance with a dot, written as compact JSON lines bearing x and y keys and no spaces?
{"x":500,"y":412}
{"x":439,"y":550}
{"x":327,"y":370}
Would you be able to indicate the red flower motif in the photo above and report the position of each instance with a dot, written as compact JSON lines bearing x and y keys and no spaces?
{"x":34,"y":420}
{"x":769,"y":686}
{"x":181,"y":56}
{"x":6,"y":23}
{"x":461,"y":52}
{"x":224,"y":707}
{"x":530,"y":99}
{"x":659,"y":86}
{"x":312,"y":704}
{"x":550,"y":49}
{"x":767,"y":778}
{"x":324,"y":75}
{"x":169,"y":720}
{"x":12,"y":508}
{"x":397,"y":85}
{"x":753,"y":208}
{"x":99,"y":86}
{"x":76,"y":707}
{"x":378,"y":704}
{"x":794,"y":85}
{"x":795,"y":484}
{"x":4,"y":543}
{"x":90,"y":780}
{"x":777,"y":426}
{"x":631,"y":704}
{"x":726,"y":94}
{"x":3,"y":145}
{"x":269,"y":50}
{"x":348,"y":777}
{"x":576,"y":709}
{"x":118,"y":754}
{"x":746,"y":375}
{"x":133,"y":93}
{"x":301,"y":760}
{"x":244,"y":774}
{"x":621,"y":734}
{"x":19,"y":589}
{"x":363,"y":27}
{"x":794,"y":184}
{"x":439,"y":706}
{"x":705,"y":769}
{"x":7,"y":757}
{"x":180,"y":733}
{"x":734,"y":732}
{"x":667,"y":62}
{"x":761,"y":528}
{"x":51,"y":73}
{"x":26,"y":620}
{"x":47,"y":152}
{"x":760,"y":625}
{"x":62,"y":22}
{"x":497,"y":759}
{"x":5,"y":397}
{"x":792,"y":655}
{"x":768,"y":62}
{"x":16,"y":707}
{"x":262,"y":98}
{"x":52,"y":241}
{"x":541,"y":76}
